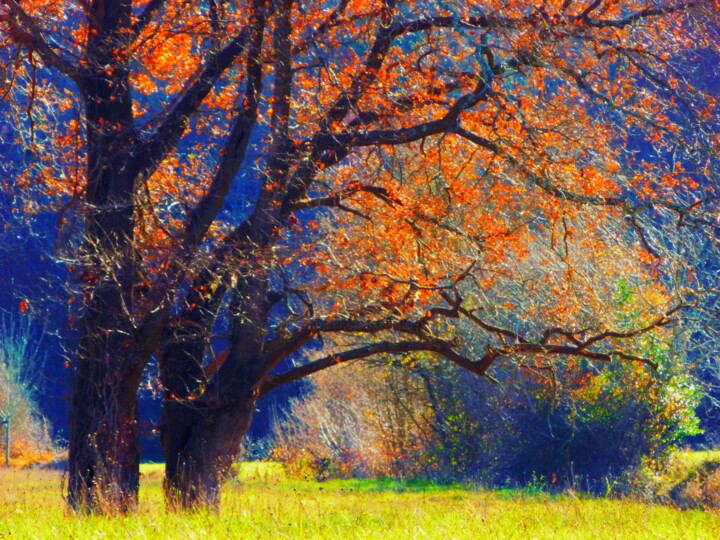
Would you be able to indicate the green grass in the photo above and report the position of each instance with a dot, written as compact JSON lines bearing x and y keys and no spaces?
{"x":266,"y":505}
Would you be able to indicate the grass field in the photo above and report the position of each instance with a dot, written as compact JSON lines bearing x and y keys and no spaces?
{"x":263,"y":504}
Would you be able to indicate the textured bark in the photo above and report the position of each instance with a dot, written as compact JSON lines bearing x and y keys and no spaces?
{"x":104,"y":451}
{"x":200,"y":446}
{"x":204,"y":421}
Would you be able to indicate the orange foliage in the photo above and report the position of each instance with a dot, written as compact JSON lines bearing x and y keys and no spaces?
{"x":24,"y":453}
{"x":538,"y":118}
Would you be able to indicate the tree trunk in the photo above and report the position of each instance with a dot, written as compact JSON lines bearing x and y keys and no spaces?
{"x":104,"y":451}
{"x":104,"y":458}
{"x":200,"y":444}
{"x":204,"y":421}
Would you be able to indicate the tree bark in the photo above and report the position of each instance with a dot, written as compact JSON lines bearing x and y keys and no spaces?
{"x":104,"y":452}
{"x":204,"y":421}
{"x":200,"y":444}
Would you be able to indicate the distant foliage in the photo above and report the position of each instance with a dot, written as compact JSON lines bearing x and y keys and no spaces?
{"x":588,"y":426}
{"x":25,"y":453}
{"x":19,"y":353}
{"x":358,"y":421}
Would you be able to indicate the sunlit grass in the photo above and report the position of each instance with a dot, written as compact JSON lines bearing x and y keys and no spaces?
{"x":682,"y":464}
{"x":692,"y":459}
{"x":266,"y":505}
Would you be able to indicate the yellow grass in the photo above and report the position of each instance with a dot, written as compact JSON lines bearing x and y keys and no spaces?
{"x":267,"y":506}
{"x":681,"y":465}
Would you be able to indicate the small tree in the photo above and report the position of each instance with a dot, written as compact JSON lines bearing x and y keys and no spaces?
{"x":19,"y":358}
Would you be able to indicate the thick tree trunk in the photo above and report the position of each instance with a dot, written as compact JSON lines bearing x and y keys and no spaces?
{"x":104,"y":451}
{"x":204,"y":422}
{"x":200,"y":445}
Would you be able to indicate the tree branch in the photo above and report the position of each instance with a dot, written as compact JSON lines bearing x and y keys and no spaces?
{"x":32,"y":37}
{"x":658,"y":323}
{"x":535,"y":178}
{"x":233,"y":153}
{"x":643,"y":14}
{"x":336,"y":199}
{"x":495,"y":22}
{"x":153,"y":151}
{"x":318,"y":32}
{"x":385,"y":347}
{"x":578,"y":347}
{"x":565,"y":350}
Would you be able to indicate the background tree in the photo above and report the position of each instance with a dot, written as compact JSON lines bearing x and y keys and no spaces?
{"x":565,"y":425}
{"x":163,"y":109}
{"x":19,"y":372}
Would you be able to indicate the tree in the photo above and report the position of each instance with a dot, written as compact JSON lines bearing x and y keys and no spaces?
{"x":19,"y":359}
{"x":545,"y":417}
{"x":145,"y":119}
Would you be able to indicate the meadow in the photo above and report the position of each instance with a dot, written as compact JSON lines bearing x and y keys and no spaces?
{"x":261,"y":503}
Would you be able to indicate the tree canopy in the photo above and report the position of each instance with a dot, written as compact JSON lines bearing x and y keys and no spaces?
{"x":392,"y":174}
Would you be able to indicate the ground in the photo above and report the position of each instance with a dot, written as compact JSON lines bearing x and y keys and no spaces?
{"x":263,"y":504}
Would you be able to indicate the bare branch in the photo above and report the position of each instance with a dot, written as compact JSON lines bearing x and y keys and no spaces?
{"x":32,"y":36}
{"x":658,"y":323}
{"x":336,"y":198}
{"x":386,"y":347}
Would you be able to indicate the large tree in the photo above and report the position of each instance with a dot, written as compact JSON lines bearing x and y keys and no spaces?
{"x":232,"y":166}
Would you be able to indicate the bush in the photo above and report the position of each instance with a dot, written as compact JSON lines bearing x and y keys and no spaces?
{"x":594,"y":423}
{"x":19,"y":355}
{"x":563,"y":423}
{"x":578,"y":425}
{"x":356,"y":421}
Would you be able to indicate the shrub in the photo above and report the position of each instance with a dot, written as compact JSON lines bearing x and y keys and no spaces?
{"x":19,"y":354}
{"x":566,"y":423}
{"x":356,"y":421}
{"x":700,"y":489}
{"x":579,"y":425}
